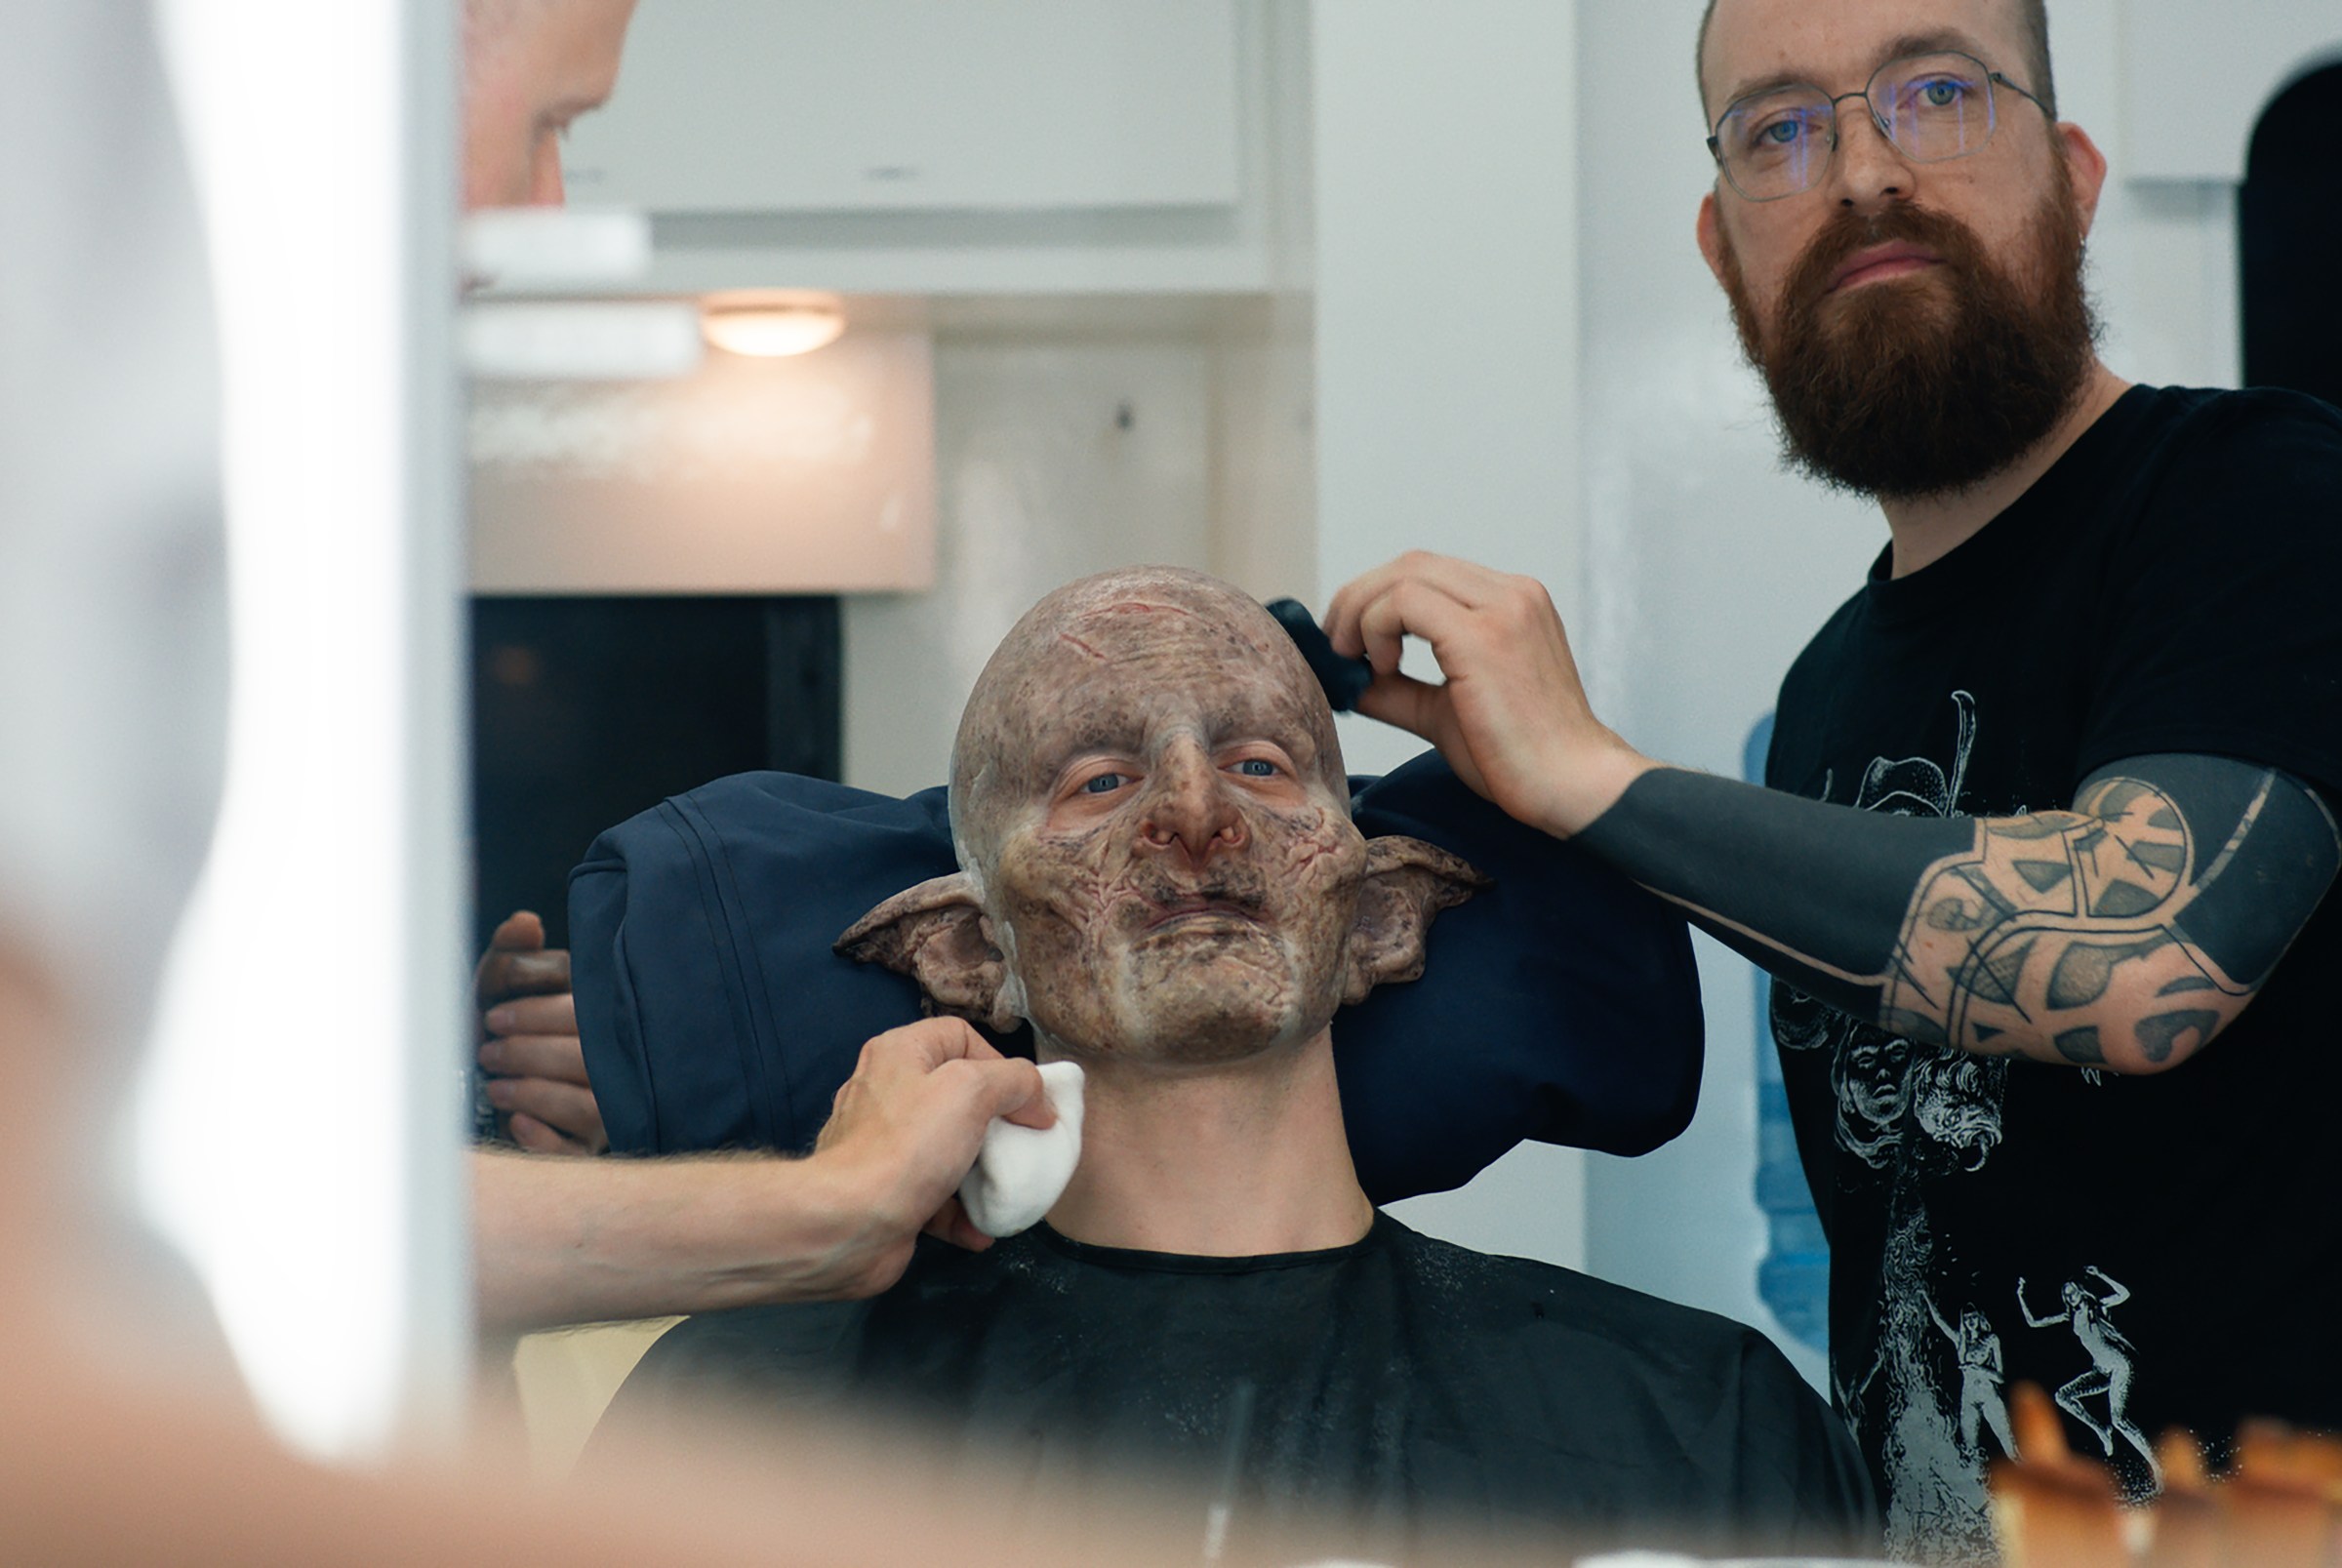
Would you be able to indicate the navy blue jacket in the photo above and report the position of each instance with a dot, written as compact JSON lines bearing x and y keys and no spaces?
{"x":1561,"y":1005}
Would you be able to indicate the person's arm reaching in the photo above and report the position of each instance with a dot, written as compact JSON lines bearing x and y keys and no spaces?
{"x":2122,"y":933}
{"x":561,"y":1240}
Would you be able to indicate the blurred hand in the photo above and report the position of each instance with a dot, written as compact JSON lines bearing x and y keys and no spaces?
{"x":1510,"y":715}
{"x":904,"y":1131}
{"x":529,"y":1042}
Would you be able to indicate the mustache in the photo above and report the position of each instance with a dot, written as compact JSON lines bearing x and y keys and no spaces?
{"x":1954,"y":244}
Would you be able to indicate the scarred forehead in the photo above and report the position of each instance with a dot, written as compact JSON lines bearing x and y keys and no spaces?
{"x":1105,"y":662}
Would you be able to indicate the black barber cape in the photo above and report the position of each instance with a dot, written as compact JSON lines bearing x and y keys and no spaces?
{"x":1397,"y":1385}
{"x":1562,"y":1002}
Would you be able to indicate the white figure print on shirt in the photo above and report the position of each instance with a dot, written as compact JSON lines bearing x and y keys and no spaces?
{"x":2112,"y":1362}
{"x":1981,"y":1370}
{"x":1915,"y":1113}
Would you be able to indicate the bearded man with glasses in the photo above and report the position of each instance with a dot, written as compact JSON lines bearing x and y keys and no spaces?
{"x":2044,"y":858}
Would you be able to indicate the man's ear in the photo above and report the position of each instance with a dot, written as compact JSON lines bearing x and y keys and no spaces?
{"x":936,"y":933}
{"x":1407,"y":883}
{"x":2087,"y":165}
{"x":1707,"y":229}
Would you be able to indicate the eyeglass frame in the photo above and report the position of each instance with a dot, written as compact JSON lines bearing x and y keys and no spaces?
{"x":1716,"y":145}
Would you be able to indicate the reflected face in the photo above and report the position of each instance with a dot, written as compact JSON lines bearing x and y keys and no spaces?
{"x":532,"y":67}
{"x":1149,"y":789}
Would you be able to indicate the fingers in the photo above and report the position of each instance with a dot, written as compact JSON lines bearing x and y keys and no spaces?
{"x":554,"y":1014}
{"x":1012,"y":1087}
{"x":1414,"y":705}
{"x":565,"y":1107}
{"x":952,"y":1223}
{"x":560,"y":1058}
{"x":930,"y":1043}
{"x":1426,"y":577}
{"x":522,"y":931}
{"x":505,"y":974}
{"x":539,"y":1138}
{"x":517,"y":961}
{"x":957,"y":1061}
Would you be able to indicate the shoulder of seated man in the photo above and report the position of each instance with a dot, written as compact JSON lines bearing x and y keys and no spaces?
{"x":1549,"y":1308}
{"x":1691,"y":1342}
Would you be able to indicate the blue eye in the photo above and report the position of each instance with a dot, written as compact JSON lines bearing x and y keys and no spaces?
{"x":1781,"y":133}
{"x":1943,"y":92}
{"x":1105,"y":784}
{"x":1258,"y":768}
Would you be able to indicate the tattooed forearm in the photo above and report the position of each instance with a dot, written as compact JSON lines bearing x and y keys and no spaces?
{"x":2122,"y":933}
{"x":2055,"y":925}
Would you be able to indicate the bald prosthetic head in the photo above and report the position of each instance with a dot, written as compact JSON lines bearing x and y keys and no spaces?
{"x":1153,"y":828}
{"x":1104,"y":643}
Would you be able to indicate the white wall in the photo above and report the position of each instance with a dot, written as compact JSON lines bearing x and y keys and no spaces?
{"x":1447,"y":369}
{"x":1039,"y":479}
{"x":1706,"y":570}
{"x":1073,"y":435}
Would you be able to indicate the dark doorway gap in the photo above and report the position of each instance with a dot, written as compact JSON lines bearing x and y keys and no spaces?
{"x":2289,"y":235}
{"x":588,"y":709}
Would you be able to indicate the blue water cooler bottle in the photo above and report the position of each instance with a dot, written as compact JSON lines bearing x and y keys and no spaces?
{"x":1793,"y":1276}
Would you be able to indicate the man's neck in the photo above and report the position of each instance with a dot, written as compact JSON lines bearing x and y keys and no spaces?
{"x":1929,"y":528}
{"x":1235,"y":1162}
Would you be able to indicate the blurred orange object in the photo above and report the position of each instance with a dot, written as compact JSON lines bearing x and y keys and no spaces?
{"x":2051,"y":1508}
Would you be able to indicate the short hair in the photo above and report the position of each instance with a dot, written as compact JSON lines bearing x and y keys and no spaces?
{"x":2034,"y":15}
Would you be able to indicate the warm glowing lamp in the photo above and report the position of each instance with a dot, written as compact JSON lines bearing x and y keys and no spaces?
{"x":772,"y":323}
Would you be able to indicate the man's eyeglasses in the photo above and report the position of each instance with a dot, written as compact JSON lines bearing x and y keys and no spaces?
{"x":1779,"y":141}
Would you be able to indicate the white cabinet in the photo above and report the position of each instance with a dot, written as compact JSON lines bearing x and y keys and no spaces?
{"x":735,"y":106}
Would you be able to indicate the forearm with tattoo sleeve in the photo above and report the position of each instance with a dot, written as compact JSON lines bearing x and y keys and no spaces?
{"x":2122,"y":933}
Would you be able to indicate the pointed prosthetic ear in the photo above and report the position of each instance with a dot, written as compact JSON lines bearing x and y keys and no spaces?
{"x":1407,"y":883}
{"x":936,"y":933}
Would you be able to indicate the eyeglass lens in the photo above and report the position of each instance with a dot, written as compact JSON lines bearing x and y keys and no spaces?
{"x":1931,"y":106}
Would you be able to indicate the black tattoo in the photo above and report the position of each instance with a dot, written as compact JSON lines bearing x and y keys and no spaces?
{"x":2080,"y":1045}
{"x":2040,"y":934}
{"x":2158,"y":1035}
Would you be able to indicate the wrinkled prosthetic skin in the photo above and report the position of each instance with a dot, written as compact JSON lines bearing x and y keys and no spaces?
{"x":1151,"y":816}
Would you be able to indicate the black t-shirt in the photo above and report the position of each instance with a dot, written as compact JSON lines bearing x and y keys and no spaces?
{"x":1397,"y":1385}
{"x":2171,"y":586}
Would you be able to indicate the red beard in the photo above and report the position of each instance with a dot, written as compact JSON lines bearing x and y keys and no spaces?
{"x":1927,"y":385}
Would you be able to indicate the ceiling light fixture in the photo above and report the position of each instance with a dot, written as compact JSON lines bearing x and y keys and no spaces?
{"x":772,"y":323}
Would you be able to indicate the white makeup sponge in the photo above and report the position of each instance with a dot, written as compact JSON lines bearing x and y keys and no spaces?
{"x":1023,"y":1170}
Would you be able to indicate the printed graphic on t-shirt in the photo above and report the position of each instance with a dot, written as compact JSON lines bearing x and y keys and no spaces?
{"x":2086,"y":1305}
{"x":1926,"y":1389}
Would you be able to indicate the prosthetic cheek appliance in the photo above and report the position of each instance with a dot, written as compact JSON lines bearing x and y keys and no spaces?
{"x":1021,"y":1172}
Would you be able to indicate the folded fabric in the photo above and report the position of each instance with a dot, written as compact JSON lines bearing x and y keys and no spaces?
{"x":1561,"y":1005}
{"x":1022,"y":1171}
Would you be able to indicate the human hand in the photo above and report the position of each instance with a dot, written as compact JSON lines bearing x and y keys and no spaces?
{"x":529,"y":1039}
{"x":1510,"y":716}
{"x":904,"y":1131}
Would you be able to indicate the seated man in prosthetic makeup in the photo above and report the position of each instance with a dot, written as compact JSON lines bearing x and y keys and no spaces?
{"x":1160,"y":875}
